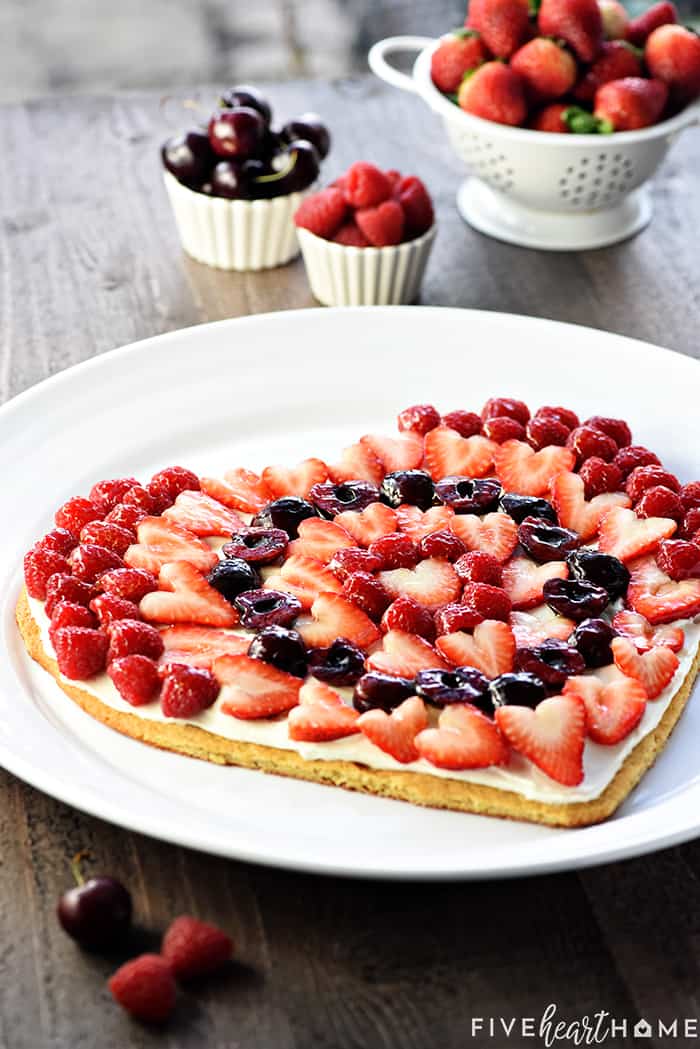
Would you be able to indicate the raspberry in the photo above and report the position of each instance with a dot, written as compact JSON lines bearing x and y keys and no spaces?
{"x":394,"y":178}
{"x":109,"y":607}
{"x":62,"y":587}
{"x":451,"y":618}
{"x":193,"y":948}
{"x":421,"y":418}
{"x":322,"y":213}
{"x":635,"y":455}
{"x":644,"y":477}
{"x":80,"y":651}
{"x":60,"y":540}
{"x":135,"y":678}
{"x":500,"y":428}
{"x":145,"y":987}
{"x":111,"y":536}
{"x":513,"y":409}
{"x":365,"y":591}
{"x":76,"y":513}
{"x":187,"y":690}
{"x":490,"y":602}
{"x":690,"y":526}
{"x":564,"y":416}
{"x":679,"y":559}
{"x":130,"y":583}
{"x":89,"y":561}
{"x":417,"y":205}
{"x":395,"y":551}
{"x":126,"y":516}
{"x":477,"y":566}
{"x":467,"y":424}
{"x":382,"y":225}
{"x":142,"y":499}
{"x":365,"y":185}
{"x":167,"y":484}
{"x":106,"y":494}
{"x":406,"y":614}
{"x":660,"y":501}
{"x":66,"y":613}
{"x":615,"y":428}
{"x":353,"y":559}
{"x":127,"y":637}
{"x":689,"y":493}
{"x":599,"y":476}
{"x":444,"y":544}
{"x":351,"y":236}
{"x":39,"y":565}
{"x":543,"y":430}
{"x":589,"y":443}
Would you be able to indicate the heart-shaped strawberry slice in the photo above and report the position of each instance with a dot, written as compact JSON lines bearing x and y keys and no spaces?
{"x":465,"y":739}
{"x":161,"y":541}
{"x":403,"y":655}
{"x":491,"y":648}
{"x":654,"y":669}
{"x":395,"y":733}
{"x":639,"y":631}
{"x":295,"y":480}
{"x":626,"y":536}
{"x":522,"y":470}
{"x":449,"y":454}
{"x":432,"y":583}
{"x":418,"y":523}
{"x":612,"y":709}
{"x":306,"y":578}
{"x":321,"y":715}
{"x":332,"y":616}
{"x":203,"y":515}
{"x":551,"y":736}
{"x":656,"y":596}
{"x":523,"y":580}
{"x":375,"y":521}
{"x":577,"y":513}
{"x":496,"y":533}
{"x":185,"y":596}
{"x":253,"y":689}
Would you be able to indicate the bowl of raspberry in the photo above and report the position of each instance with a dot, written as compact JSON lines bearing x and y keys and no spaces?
{"x":366,"y":238}
{"x":235,"y":182}
{"x":561,"y":116}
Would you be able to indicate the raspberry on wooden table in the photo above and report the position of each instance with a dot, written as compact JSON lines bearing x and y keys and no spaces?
{"x":76,"y":513}
{"x":136,"y":678}
{"x":194,"y":948}
{"x":467,"y":424}
{"x":187,"y":691}
{"x":130,"y":636}
{"x":64,"y":587}
{"x":39,"y":566}
{"x":145,"y":987}
{"x":80,"y":651}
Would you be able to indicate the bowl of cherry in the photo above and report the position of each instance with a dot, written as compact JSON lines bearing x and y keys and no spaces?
{"x":235,"y":182}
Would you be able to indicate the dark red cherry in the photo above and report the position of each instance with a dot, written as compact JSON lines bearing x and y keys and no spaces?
{"x":299,"y":170}
{"x":189,"y":157}
{"x":228,"y":179}
{"x":95,"y":913}
{"x":236,"y":132}
{"x":250,"y":97}
{"x":309,"y":127}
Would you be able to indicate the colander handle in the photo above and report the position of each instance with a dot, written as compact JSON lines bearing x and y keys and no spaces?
{"x":395,"y":44}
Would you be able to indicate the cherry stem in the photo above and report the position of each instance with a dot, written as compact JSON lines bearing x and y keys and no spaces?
{"x":277,"y":175}
{"x":84,"y":854}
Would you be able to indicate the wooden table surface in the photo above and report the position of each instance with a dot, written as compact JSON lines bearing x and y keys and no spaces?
{"x":89,"y":261}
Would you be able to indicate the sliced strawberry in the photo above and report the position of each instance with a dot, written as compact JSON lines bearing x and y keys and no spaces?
{"x":321,"y":715}
{"x":431,"y":583}
{"x":395,"y":733}
{"x":204,"y":516}
{"x":199,"y":646}
{"x":626,"y":536}
{"x":240,"y":490}
{"x":254,"y":689}
{"x":552,"y":735}
{"x":295,"y":480}
{"x":369,"y":524}
{"x":523,"y":580}
{"x":577,"y":513}
{"x":495,"y":533}
{"x":332,"y":616}
{"x":418,"y":523}
{"x":522,"y":470}
{"x":640,"y":632}
{"x":320,"y":539}
{"x":654,"y":669}
{"x":306,"y":578}
{"x":162,"y":542}
{"x":185,"y":596}
{"x":403,"y":655}
{"x":404,"y":452}
{"x":656,"y":596}
{"x":613,"y":709}
{"x":448,"y":454}
{"x":491,"y":649}
{"x":465,"y":739}
{"x":532,"y":628}
{"x":357,"y":463}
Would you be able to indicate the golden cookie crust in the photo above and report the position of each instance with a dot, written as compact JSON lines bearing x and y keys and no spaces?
{"x":416,"y":787}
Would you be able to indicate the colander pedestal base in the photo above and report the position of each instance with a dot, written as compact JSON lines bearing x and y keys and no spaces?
{"x":498,"y":215}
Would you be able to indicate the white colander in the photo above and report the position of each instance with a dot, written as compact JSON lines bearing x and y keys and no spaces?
{"x":556,"y":192}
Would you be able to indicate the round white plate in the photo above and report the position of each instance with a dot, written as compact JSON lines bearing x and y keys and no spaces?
{"x":277,"y":388}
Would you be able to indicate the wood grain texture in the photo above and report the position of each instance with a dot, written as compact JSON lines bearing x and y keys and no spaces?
{"x":89,"y":260}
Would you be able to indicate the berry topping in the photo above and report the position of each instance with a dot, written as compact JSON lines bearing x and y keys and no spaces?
{"x":532,"y":628}
{"x":130,"y":583}
{"x":135,"y":678}
{"x":660,"y":502}
{"x":491,"y":649}
{"x":321,"y":715}
{"x":58,"y":540}
{"x":186,"y":597}
{"x":107,"y":494}
{"x":522,"y":470}
{"x":418,"y":523}
{"x":395,"y":733}
{"x":367,"y":592}
{"x":404,"y":452}
{"x":95,"y":913}
{"x":495,"y":533}
{"x":522,"y":690}
{"x":588,"y":442}
{"x":258,"y":546}
{"x":406,"y":614}
{"x":478,"y":566}
{"x":456,"y":617}
{"x":506,"y":407}
{"x":108,"y":607}
{"x":447,"y":454}
{"x":552,"y":662}
{"x":404,"y":655}
{"x":442,"y":544}
{"x":420,"y":418}
{"x":202,"y":515}
{"x":678,"y":559}
{"x":358,"y":462}
{"x":593,"y":638}
{"x":626,"y":536}
{"x":254,"y":689}
{"x":353,"y":559}
{"x":408,"y":488}
{"x":501,"y":429}
{"x":551,"y":736}
{"x":369,"y":524}
{"x":145,"y":987}
{"x":612,"y":710}
{"x":76,"y":513}
{"x":643,"y":477}
{"x":524,"y":581}
{"x":574,"y":512}
{"x":305,"y":577}
{"x":333,"y":616}
{"x":575,"y":598}
{"x":641,"y":633}
{"x":545,"y":541}
{"x":193,"y":948}
{"x":375,"y":690}
{"x":342,"y":663}
{"x":600,"y":477}
{"x":461,"y":685}
{"x":618,"y":429}
{"x":281,"y":647}
{"x":126,"y":516}
{"x":628,"y":459}
{"x":262,"y":608}
{"x":656,"y":596}
{"x":564,"y":416}
{"x":296,"y":480}
{"x":240,"y":490}
{"x":521,"y":506}
{"x":89,"y":561}
{"x":465,"y":739}
{"x":199,"y":646}
{"x":331,"y":499}
{"x":232,"y":576}
{"x":62,"y":587}
{"x":543,"y":430}
{"x":395,"y":551}
{"x":690,"y":528}
{"x":285,"y":514}
{"x":689,"y":493}
{"x":167,"y":484}
{"x":80,"y":651}
{"x":40,"y":565}
{"x":147,"y":502}
{"x":467,"y":424}
{"x":468,"y":497}
{"x":66,"y":613}
{"x":488,"y":602}
{"x":162,"y":542}
{"x":431,"y":583}
{"x":129,"y":637}
{"x":653,"y":669}
{"x":111,"y":536}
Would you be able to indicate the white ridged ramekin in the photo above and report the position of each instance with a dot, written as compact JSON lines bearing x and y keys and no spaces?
{"x":235,"y":234}
{"x":346,"y":276}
